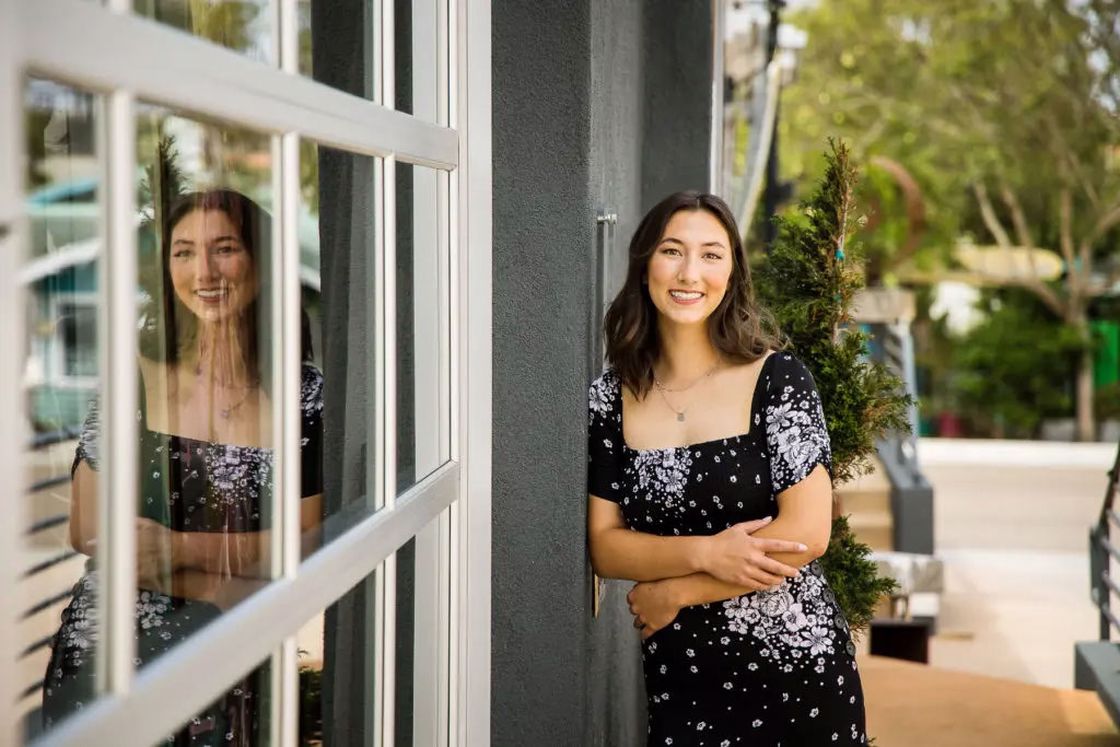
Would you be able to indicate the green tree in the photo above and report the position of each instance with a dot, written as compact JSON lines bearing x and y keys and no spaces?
{"x":1012,"y":367}
{"x":808,"y":281}
{"x":1004,"y":114}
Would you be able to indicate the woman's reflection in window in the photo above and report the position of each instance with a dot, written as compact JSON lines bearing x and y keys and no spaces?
{"x":206,"y":458}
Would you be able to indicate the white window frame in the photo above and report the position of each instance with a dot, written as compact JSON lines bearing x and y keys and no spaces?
{"x":123,"y":59}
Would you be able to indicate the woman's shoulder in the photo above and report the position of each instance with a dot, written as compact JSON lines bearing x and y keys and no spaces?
{"x":786,"y":368}
{"x":311,"y":390}
{"x":603,"y":394}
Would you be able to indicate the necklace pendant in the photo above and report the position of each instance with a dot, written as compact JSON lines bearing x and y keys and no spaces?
{"x":680,"y":417}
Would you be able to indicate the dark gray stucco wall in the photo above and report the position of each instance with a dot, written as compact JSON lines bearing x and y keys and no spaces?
{"x":617,"y":709}
{"x":617,"y":112}
{"x":677,"y":120}
{"x":572,"y":135}
{"x":541,"y":118}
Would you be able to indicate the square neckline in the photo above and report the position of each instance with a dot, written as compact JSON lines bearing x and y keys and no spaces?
{"x":145,"y":427}
{"x":720,"y":439}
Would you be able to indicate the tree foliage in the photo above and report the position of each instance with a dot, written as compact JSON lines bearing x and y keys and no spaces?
{"x":1004,"y":112}
{"x":1012,"y":369}
{"x":853,"y":577}
{"x":808,"y":281}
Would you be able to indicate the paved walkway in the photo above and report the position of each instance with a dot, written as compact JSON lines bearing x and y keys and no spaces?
{"x":1011,"y":523}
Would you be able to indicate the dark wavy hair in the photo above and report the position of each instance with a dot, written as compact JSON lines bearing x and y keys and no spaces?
{"x":739,"y":328}
{"x":169,"y":327}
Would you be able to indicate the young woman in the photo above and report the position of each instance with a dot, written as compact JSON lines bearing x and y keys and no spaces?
{"x":709,"y":485}
{"x":205,"y":474}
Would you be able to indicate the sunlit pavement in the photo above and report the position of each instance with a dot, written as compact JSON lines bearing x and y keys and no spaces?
{"x":1011,"y":524}
{"x":1012,"y":521}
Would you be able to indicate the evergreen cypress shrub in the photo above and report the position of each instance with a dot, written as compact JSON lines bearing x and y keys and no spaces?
{"x":808,"y":281}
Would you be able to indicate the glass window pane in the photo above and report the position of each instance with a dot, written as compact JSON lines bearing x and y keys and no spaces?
{"x":422,"y":328}
{"x":206,"y":375}
{"x":338,"y":653}
{"x":337,"y":656}
{"x":241,"y":25}
{"x":416,"y":41}
{"x":403,"y":696}
{"x":337,"y":237}
{"x":240,"y":716}
{"x":60,"y":379}
{"x":337,"y":44}
{"x":421,"y":640}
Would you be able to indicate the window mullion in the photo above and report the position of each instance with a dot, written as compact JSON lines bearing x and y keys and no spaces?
{"x":13,"y":431}
{"x":387,"y":268}
{"x":116,"y":552}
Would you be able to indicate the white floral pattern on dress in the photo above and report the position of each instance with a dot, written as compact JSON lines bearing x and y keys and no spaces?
{"x":797,"y":619}
{"x":662,"y":474}
{"x":200,"y":486}
{"x":795,"y":430}
{"x":781,"y":661}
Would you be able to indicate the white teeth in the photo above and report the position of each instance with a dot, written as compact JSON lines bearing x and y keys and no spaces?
{"x":211,"y":293}
{"x":686,"y":296}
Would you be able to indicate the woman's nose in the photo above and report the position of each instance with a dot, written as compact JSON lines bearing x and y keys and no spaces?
{"x":689,"y":269}
{"x":204,"y":265}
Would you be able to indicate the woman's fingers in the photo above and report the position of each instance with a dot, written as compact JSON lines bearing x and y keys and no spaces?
{"x":750,"y":527}
{"x":778,"y":568}
{"x":776,"y":545}
{"x":764,"y":578}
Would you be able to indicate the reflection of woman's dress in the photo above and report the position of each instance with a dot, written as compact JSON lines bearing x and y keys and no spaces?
{"x":766,"y":668}
{"x":189,"y":486}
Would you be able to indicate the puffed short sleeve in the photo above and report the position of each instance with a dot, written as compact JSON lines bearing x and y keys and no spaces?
{"x":604,"y":438}
{"x":796,"y":433}
{"x":89,"y":440}
{"x":311,"y":432}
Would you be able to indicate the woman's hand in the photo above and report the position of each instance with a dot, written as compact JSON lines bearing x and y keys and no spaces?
{"x":737,"y":557}
{"x":155,"y":559}
{"x":653,"y":605}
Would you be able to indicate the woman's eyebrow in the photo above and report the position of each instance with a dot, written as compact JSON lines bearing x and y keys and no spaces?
{"x":714,"y":243}
{"x":670,"y":238}
{"x":216,"y":239}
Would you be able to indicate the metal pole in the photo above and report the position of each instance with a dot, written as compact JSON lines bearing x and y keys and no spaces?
{"x":770,"y":196}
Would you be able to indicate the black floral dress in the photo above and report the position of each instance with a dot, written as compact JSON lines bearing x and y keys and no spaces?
{"x":189,"y":486}
{"x":768,"y":668}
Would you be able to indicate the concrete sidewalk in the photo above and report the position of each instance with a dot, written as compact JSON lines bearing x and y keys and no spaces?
{"x":919,"y":706}
{"x":1011,"y":524}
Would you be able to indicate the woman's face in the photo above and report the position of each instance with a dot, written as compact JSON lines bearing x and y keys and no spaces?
{"x":690,"y":268}
{"x":212,"y":272}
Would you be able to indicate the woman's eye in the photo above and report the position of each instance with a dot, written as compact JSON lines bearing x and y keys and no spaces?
{"x":670,"y":250}
{"x":181,"y":253}
{"x":713,"y":255}
{"x":225,"y":249}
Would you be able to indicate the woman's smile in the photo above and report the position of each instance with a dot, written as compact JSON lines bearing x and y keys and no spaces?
{"x":686,"y":298}
{"x":212,"y":296}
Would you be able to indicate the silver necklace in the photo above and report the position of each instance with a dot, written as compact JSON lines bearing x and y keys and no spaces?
{"x":661,"y":388}
{"x":226,"y":412}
